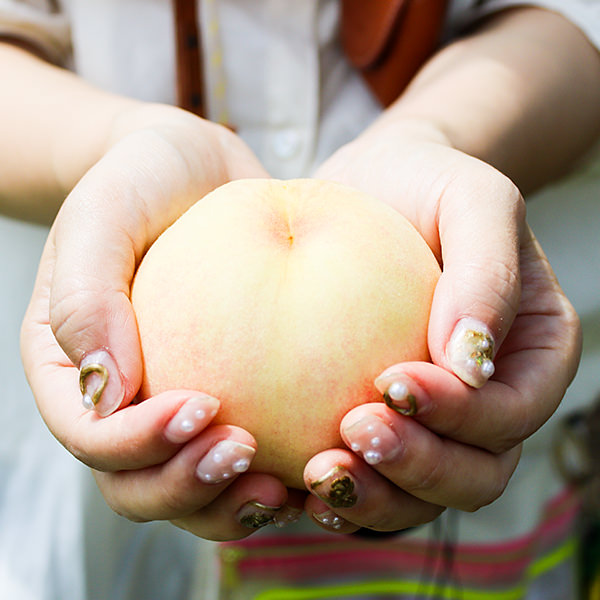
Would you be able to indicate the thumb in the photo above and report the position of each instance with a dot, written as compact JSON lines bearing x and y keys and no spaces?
{"x":481,"y":221}
{"x":92,"y":318}
{"x":104,"y":227}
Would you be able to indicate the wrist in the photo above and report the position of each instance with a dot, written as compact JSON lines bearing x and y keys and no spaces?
{"x":410,"y":129}
{"x":168,"y":120}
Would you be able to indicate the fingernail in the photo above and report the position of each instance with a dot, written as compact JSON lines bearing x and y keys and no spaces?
{"x":100,"y":383}
{"x":373,"y":439}
{"x":470,"y":352}
{"x":224,"y":460}
{"x":255,"y":515}
{"x":191,"y":418}
{"x":287,"y":515}
{"x":329,"y":519}
{"x":337,"y":488}
{"x":396,"y":393}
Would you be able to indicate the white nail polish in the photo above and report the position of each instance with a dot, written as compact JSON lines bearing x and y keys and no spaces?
{"x":224,"y":460}
{"x":375,"y":440}
{"x":286,"y":516}
{"x":329,"y":519}
{"x":470,"y":352}
{"x":101,"y":383}
{"x":191,"y":418}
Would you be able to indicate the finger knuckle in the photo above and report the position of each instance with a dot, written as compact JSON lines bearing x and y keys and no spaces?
{"x":75,"y":448}
{"x":426,"y":479}
{"x":74,"y":313}
{"x":520,"y":420}
{"x":116,"y":494}
{"x":172,"y":500}
{"x":493,"y":490}
{"x":78,"y":447}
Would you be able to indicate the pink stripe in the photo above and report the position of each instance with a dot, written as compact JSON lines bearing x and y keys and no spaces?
{"x":474,"y":563}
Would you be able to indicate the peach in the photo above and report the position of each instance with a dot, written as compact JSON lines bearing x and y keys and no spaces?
{"x":284,"y":299}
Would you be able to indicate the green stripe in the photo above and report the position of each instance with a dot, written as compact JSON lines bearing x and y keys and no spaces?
{"x":418,"y":589}
{"x":560,"y":554}
{"x":389,"y":588}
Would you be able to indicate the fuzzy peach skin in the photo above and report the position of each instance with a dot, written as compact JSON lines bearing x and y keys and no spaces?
{"x":284,"y":299}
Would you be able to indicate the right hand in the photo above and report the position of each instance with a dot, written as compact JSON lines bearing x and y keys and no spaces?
{"x":462,"y":440}
{"x":80,"y":314}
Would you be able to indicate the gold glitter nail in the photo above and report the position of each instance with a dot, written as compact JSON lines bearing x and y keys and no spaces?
{"x":339,"y":489}
{"x":259,"y":515}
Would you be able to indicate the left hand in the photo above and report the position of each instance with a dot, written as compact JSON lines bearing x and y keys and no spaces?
{"x":461,"y":447}
{"x":162,"y":458}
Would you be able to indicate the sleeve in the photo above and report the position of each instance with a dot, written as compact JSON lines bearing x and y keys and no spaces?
{"x":39,"y":25}
{"x":585,"y":14}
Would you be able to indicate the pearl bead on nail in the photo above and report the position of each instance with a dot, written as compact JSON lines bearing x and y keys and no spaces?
{"x":87,"y":402}
{"x":241,"y":465}
{"x":487,"y":368}
{"x":186,"y":425}
{"x":372,"y":457}
{"x":397,"y":391}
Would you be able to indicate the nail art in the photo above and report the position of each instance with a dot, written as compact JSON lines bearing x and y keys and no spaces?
{"x":373,"y":439}
{"x":396,"y":393}
{"x":398,"y":398}
{"x":192,"y":417}
{"x":287,"y":515}
{"x":329,"y":519}
{"x":255,"y":515}
{"x":336,"y":488}
{"x":100,"y":383}
{"x":470,"y":352}
{"x":224,"y":460}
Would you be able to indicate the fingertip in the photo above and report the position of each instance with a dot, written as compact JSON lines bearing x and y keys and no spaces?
{"x":100,"y":338}
{"x":463,"y":341}
{"x":470,"y":352}
{"x":326,"y":518}
{"x":398,"y":391}
{"x":267,"y":502}
{"x":227,"y":459}
{"x":292,"y":510}
{"x":101,"y":382}
{"x":191,"y":418}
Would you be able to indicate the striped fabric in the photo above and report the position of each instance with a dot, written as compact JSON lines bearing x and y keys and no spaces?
{"x":316,"y":567}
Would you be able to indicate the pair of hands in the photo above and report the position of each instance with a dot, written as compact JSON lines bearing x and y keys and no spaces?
{"x":460,"y":448}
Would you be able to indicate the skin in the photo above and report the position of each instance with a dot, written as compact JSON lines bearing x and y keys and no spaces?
{"x":480,"y":112}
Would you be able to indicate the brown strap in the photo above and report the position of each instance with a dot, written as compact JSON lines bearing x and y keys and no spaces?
{"x":190,"y":78}
{"x":389,"y":40}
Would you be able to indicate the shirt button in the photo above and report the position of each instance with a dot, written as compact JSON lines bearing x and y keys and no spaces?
{"x":286,"y":143}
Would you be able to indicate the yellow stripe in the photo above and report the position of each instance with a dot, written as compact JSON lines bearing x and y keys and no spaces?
{"x":389,"y":588}
{"x":417,"y":589}
{"x":551,"y":560}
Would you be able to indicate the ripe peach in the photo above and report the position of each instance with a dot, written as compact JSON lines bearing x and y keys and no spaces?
{"x":284,"y":299}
